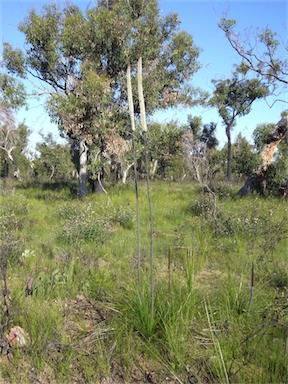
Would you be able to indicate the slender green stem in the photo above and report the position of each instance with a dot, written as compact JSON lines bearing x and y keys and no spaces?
{"x":252,"y":288}
{"x":132,"y":120}
{"x":150,"y":222}
{"x":137,"y":214}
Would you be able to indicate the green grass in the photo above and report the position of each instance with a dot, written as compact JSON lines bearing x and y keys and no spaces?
{"x":89,"y":321}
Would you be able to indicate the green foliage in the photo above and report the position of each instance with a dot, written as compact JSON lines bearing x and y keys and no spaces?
{"x":165,"y":147}
{"x":14,"y":212}
{"x":195,"y":124}
{"x":14,"y":60}
{"x":84,"y":307}
{"x":244,"y":161}
{"x":42,"y":36}
{"x":54,"y":161}
{"x":13,"y":138}
{"x":261,"y":133}
{"x":123,"y":216}
{"x":208,"y":135}
{"x":81,"y":223}
{"x":269,"y":65}
{"x":12,"y":93}
{"x":234,"y":97}
{"x":277,"y":174}
{"x":84,"y":73}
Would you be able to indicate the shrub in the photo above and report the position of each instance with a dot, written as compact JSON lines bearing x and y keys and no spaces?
{"x":81,"y":223}
{"x":86,"y":222}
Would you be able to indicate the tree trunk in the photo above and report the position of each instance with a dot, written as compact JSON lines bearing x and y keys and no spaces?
{"x":52,"y":172}
{"x":154,"y":168}
{"x":16,"y":171}
{"x":83,"y":155}
{"x":257,"y":181}
{"x":229,"y":156}
{"x":125,"y":172}
{"x":96,"y":186}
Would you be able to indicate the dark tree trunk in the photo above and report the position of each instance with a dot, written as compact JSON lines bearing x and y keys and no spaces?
{"x":229,"y":156}
{"x":257,"y":181}
{"x":96,"y":183}
{"x":95,"y":186}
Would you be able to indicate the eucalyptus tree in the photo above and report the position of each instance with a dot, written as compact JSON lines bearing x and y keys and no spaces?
{"x":263,"y":53}
{"x":233,"y":98}
{"x":13,"y":136}
{"x":56,"y":61}
{"x":129,"y":30}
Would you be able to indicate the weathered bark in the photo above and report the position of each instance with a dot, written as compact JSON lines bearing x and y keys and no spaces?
{"x":257,"y":181}
{"x":83,"y":155}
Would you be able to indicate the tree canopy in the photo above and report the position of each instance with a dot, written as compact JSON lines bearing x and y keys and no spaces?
{"x":234,"y":98}
{"x":261,"y":54}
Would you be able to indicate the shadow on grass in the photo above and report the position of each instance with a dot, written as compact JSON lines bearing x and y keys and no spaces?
{"x":50,"y":191}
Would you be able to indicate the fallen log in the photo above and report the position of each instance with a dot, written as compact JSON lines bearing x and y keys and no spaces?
{"x":257,"y":181}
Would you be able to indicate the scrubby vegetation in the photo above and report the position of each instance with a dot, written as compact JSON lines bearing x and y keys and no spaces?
{"x":69,"y":277}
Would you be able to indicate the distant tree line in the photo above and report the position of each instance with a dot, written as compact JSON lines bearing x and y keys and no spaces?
{"x":104,"y":73}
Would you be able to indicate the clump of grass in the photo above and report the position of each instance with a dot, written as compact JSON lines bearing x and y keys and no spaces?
{"x":123,"y":216}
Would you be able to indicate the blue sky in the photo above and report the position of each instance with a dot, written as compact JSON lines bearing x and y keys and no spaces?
{"x":217,"y":57}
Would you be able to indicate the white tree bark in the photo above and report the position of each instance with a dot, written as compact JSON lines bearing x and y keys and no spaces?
{"x":83,"y":155}
{"x":154,"y":167}
{"x":125,"y":172}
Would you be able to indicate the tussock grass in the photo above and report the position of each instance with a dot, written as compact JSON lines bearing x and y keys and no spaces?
{"x":86,"y":318}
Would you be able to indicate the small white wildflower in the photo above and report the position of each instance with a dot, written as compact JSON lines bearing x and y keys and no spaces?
{"x":27,"y":253}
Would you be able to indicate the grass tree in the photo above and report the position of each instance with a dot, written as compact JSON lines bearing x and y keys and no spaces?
{"x":156,"y":57}
{"x":165,"y":65}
